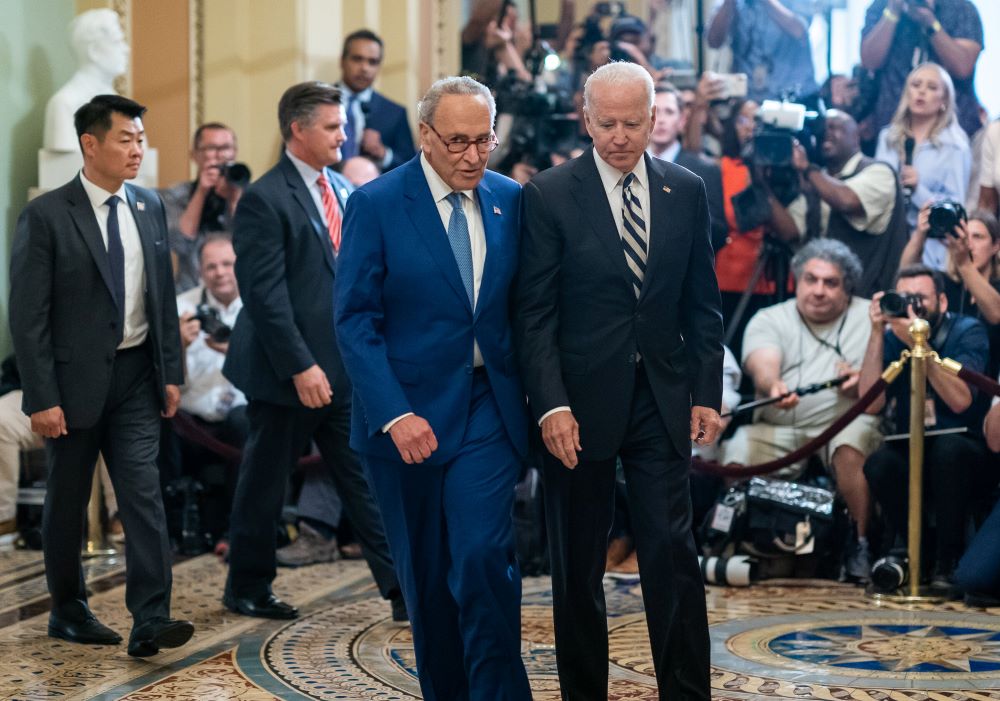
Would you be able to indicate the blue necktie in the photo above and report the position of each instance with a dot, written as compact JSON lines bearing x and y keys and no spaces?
{"x":352,"y":142}
{"x":116,"y":255}
{"x":461,"y":246}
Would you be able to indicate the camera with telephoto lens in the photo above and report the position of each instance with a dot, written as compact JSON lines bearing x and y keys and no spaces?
{"x":212,"y":324}
{"x":236,"y":174}
{"x":894,"y":304}
{"x":944,"y":217}
{"x":890,"y":572}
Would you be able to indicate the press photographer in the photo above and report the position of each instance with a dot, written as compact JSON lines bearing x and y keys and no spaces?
{"x":206,"y":205}
{"x":972,"y":277}
{"x":854,"y":199}
{"x":957,"y":468}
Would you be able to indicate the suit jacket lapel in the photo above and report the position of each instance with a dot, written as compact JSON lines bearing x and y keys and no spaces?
{"x":83,"y":216}
{"x":493,"y":221}
{"x":146,"y":238}
{"x":593,"y":202}
{"x":300,"y":193}
{"x":424,"y":215}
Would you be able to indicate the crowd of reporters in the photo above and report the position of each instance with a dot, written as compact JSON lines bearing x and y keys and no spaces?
{"x":829,"y":216}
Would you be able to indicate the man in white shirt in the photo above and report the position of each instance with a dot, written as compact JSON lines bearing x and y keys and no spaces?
{"x":819,"y":335}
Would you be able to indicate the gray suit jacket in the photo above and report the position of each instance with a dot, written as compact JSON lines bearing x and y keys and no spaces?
{"x":63,"y":313}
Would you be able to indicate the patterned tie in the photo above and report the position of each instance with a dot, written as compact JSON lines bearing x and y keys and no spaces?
{"x":633,"y":233}
{"x":461,"y":246}
{"x":331,"y":210}
{"x":116,"y":256}
{"x":351,"y":144}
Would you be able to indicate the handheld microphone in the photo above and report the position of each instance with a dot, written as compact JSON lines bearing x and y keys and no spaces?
{"x":908,"y":144}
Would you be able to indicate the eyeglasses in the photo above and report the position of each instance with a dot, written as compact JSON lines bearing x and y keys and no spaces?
{"x":216,"y":149}
{"x":460,"y":145}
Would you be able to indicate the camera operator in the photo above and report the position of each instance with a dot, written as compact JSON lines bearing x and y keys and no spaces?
{"x":205,"y":205}
{"x":735,"y":262}
{"x":770,"y":44}
{"x":956,"y":466}
{"x":818,"y":336}
{"x":855,"y":199}
{"x":972,"y":281}
{"x":899,"y":35}
{"x":207,"y":314}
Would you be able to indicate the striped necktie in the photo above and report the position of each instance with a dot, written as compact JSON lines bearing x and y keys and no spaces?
{"x":633,"y":233}
{"x":331,"y":210}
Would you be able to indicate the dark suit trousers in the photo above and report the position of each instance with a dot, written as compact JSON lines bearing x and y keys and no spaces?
{"x":452,"y":540}
{"x":128,"y":435}
{"x":579,"y":508}
{"x":278,"y":437}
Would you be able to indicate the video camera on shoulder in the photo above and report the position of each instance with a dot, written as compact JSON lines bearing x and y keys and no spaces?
{"x":893,"y":304}
{"x":944,"y":217}
{"x":212,"y":324}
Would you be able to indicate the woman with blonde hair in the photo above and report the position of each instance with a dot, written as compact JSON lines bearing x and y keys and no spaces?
{"x":941,"y":159}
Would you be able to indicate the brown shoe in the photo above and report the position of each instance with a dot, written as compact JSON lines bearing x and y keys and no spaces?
{"x":626,"y":569}
{"x":618,"y":550}
{"x":116,"y":534}
{"x":308,"y":549}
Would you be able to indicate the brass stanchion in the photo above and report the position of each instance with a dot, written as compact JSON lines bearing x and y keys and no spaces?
{"x":97,"y":544}
{"x":919,"y":355}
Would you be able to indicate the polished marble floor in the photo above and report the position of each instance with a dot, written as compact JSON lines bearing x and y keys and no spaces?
{"x":791,"y":640}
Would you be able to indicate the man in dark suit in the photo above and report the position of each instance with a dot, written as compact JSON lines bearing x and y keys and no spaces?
{"x":619,"y":338}
{"x":283,"y":352}
{"x":94,"y":324}
{"x":423,"y":322}
{"x":376,"y":127}
{"x":664,"y":143}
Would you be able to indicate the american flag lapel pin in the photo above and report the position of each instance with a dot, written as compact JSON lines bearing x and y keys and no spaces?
{"x":140,"y":205}
{"x":496,"y":210}
{"x":666,"y":189}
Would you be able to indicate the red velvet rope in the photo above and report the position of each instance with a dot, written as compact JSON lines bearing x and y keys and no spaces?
{"x":981,"y":381}
{"x":189,"y":429}
{"x":736,"y":470}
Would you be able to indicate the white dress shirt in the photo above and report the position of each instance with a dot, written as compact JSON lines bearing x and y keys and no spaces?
{"x":206,"y":393}
{"x":310,"y":176}
{"x":360,"y":122}
{"x":612,"y":179}
{"x":136,"y":324}
{"x":477,"y":238}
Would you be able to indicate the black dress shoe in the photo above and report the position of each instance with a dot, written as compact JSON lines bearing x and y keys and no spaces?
{"x":267,"y":606}
{"x":86,"y":629}
{"x":399,"y":614}
{"x":149,"y":637}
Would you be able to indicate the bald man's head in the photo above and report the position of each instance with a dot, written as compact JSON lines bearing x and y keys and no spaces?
{"x":842,"y":139}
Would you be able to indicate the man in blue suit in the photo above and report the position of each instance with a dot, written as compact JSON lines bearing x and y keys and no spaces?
{"x":283,"y":354}
{"x":422,"y":317}
{"x":376,"y":127}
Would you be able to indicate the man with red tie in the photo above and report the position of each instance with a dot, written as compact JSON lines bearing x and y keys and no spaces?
{"x":283,"y":352}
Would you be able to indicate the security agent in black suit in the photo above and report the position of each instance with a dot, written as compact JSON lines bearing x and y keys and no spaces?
{"x":619,"y":337}
{"x":664,"y":143}
{"x":283,"y":353}
{"x":94,"y":324}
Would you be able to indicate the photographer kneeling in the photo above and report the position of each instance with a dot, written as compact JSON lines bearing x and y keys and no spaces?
{"x":972,"y":283}
{"x":818,"y":336}
{"x":854,"y":199}
{"x":956,"y":465}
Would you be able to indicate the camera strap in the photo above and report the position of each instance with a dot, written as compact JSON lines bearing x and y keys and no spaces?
{"x":835,"y":346}
{"x":942,"y":331}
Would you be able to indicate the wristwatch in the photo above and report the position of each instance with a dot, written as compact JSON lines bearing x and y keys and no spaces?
{"x":934,"y":28}
{"x":890,"y":15}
